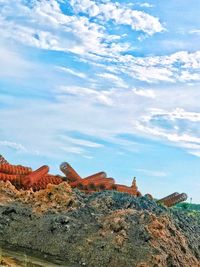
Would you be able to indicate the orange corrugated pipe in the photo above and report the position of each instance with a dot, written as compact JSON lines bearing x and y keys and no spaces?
{"x":103,"y":181}
{"x":14,"y":169}
{"x":168,"y":197}
{"x":126,"y":189}
{"x":109,"y":184}
{"x":96,"y":176}
{"x":69,"y":172}
{"x":86,"y":182}
{"x":45,"y":180}
{"x":174,"y":200}
{"x":39,"y":179}
{"x":10,"y":177}
{"x":91,"y":186}
{"x":34,"y":177}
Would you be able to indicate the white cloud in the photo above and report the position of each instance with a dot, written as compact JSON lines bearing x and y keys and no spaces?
{"x":73,"y":72}
{"x":177,"y":127}
{"x":189,"y":142}
{"x":12,"y":64}
{"x":101,"y":97}
{"x":137,"y":20}
{"x":12,"y":145}
{"x":80,"y":142}
{"x":73,"y":149}
{"x":173,"y":137}
{"x":195,"y":31}
{"x":195,"y":153}
{"x":177,"y":113}
{"x":181,"y":66}
{"x":144,"y":92}
{"x":148,"y":5}
{"x":44,"y":25}
{"x":189,"y":76}
{"x":114,"y":79}
{"x":106,"y":115}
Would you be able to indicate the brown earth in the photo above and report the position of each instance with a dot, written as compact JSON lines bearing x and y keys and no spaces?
{"x":8,"y":262}
{"x":55,"y":198}
{"x":103,"y":229}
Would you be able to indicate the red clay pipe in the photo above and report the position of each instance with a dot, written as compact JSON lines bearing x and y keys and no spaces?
{"x":126,"y":189}
{"x":106,"y":186}
{"x":130,"y":190}
{"x":175,"y":200}
{"x":45,"y":180}
{"x":95,"y":176}
{"x":96,"y":182}
{"x":106,"y":181}
{"x":88,"y":179}
{"x":14,"y":169}
{"x":168,"y":197}
{"x":69,"y":172}
{"x":34,"y":177}
{"x":9,"y":177}
{"x":99,"y":185}
{"x":84,"y":182}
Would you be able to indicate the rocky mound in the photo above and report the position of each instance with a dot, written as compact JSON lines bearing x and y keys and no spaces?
{"x":103,"y":229}
{"x":54,"y":198}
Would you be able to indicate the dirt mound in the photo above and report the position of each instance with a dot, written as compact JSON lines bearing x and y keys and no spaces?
{"x":54,"y":198}
{"x":171,"y":243}
{"x":103,"y":229}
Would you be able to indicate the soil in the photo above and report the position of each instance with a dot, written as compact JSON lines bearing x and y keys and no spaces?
{"x":107,"y":229}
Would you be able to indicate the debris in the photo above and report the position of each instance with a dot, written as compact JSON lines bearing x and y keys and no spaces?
{"x":24,"y":178}
{"x":96,"y":182}
{"x":107,"y":228}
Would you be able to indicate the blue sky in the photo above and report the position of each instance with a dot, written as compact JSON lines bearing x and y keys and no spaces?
{"x":104,"y":85}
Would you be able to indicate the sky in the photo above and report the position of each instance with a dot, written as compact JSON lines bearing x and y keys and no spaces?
{"x":108,"y":86}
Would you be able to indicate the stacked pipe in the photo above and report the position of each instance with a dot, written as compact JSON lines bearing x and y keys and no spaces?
{"x":13,"y":173}
{"x":96,"y":182}
{"x":99,"y":181}
{"x":162,"y":200}
{"x":24,"y":177}
{"x":173,"y":199}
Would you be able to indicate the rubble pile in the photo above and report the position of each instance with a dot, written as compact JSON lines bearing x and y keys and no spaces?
{"x":106,"y":228}
{"x":24,"y":178}
{"x":54,"y":198}
{"x":96,"y":182}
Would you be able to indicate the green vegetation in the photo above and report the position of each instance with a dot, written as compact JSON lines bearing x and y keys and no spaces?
{"x":192,"y":210}
{"x":188,"y":206}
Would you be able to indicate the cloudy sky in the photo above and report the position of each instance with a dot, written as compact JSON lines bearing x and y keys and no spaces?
{"x":104,"y":85}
